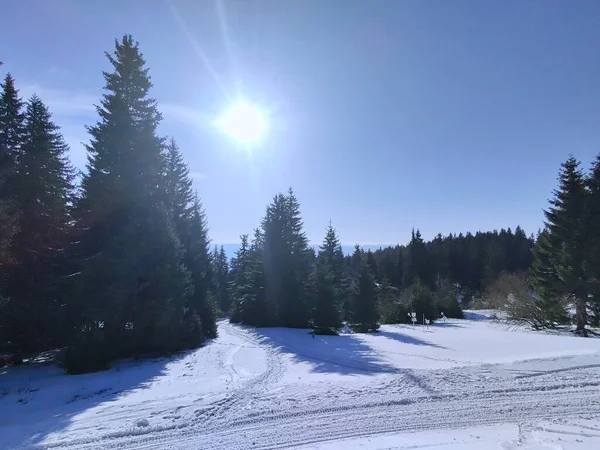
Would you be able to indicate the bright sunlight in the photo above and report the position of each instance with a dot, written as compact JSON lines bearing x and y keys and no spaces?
{"x":244,"y":123}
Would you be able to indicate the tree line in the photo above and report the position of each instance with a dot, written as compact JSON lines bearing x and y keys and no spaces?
{"x":278,"y":279}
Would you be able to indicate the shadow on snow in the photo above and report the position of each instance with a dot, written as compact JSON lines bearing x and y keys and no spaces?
{"x":345,"y":354}
{"x":39,"y":399}
{"x":408,"y":339}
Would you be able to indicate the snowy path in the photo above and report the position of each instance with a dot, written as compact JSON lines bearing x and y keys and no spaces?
{"x":277,"y":388}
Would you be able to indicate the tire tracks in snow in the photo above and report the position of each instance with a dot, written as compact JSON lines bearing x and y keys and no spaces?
{"x":242,"y":395}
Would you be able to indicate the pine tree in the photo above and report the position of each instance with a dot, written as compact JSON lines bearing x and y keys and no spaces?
{"x":42,"y":192}
{"x":446,"y":300}
{"x":287,"y":261}
{"x":545,"y":280}
{"x":328,"y":285}
{"x":198,"y":261}
{"x":296,"y":310}
{"x":399,"y":269}
{"x":178,"y":186}
{"x":330,"y":253}
{"x":240,"y":284}
{"x":417,"y":266}
{"x":133,"y":292}
{"x":558,"y":261}
{"x":592,"y":228}
{"x":419,"y":299}
{"x":372,"y":265}
{"x":221,"y":279}
{"x":12,"y":122}
{"x":191,"y":225}
{"x":364,"y":313}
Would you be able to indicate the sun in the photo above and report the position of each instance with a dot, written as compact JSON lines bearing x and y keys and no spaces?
{"x":244,"y":123}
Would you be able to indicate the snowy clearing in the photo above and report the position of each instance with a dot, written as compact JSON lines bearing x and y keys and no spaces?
{"x":460,"y":384}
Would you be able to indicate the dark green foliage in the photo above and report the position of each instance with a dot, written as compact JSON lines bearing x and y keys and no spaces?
{"x":418,"y":266}
{"x":326,"y":317}
{"x":191,"y":226}
{"x":392,"y":310}
{"x":139,"y":290}
{"x":364,"y":315}
{"x":420,"y":299}
{"x":249,"y":294}
{"x":592,"y":238}
{"x":178,"y":187}
{"x":221,"y":279}
{"x":446,"y":300}
{"x":11,"y":132}
{"x":287,"y":262}
{"x":560,"y":262}
{"x":470,"y":261}
{"x":42,"y":183}
{"x":240,"y":283}
{"x":198,"y":262}
{"x":12,"y":122}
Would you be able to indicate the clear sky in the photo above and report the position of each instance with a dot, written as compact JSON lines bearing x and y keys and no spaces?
{"x":448,"y":116}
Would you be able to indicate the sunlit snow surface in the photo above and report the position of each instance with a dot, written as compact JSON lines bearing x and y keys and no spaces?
{"x":462,"y":384}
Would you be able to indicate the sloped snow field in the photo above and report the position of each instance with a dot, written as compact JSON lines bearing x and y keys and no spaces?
{"x":461,"y":384}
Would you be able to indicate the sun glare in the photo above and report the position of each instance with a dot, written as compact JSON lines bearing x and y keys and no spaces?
{"x":244,"y":123}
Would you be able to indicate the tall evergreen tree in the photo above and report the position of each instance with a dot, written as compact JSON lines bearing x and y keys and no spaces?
{"x":240,"y":284}
{"x":592,"y":228}
{"x":221,"y":279}
{"x":133,"y":293}
{"x":417,"y":266}
{"x":372,"y":265}
{"x":178,"y":186}
{"x":197,"y":260}
{"x":12,"y":122}
{"x":43,"y":186}
{"x":330,"y":253}
{"x":287,"y":261}
{"x":364,"y":313}
{"x":192,"y":228}
{"x":295,"y":312}
{"x":328,"y":285}
{"x":559,"y":263}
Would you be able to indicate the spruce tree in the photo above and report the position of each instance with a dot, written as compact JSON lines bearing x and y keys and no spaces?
{"x":372,"y":265}
{"x":417,"y":266}
{"x":330,"y":253}
{"x":221,"y":279}
{"x":178,"y":186}
{"x":197,"y":260}
{"x":295,"y":312}
{"x":42,"y":193}
{"x":240,"y":284}
{"x":399,"y":269}
{"x":328,"y":285}
{"x":419,"y":299}
{"x":133,"y":292}
{"x":364,"y":314}
{"x":192,"y":228}
{"x":287,"y":262}
{"x":12,"y":122}
{"x":558,"y":262}
{"x":592,"y":228}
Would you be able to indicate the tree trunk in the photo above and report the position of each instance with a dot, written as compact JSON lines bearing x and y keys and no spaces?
{"x":581,"y":316}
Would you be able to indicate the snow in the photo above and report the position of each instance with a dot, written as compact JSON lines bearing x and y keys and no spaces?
{"x":542,"y":436}
{"x":458,"y":384}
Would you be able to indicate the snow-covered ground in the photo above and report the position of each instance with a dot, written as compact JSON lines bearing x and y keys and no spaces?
{"x":462,"y":384}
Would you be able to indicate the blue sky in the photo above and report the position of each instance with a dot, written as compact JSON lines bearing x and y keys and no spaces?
{"x":447,"y":116}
